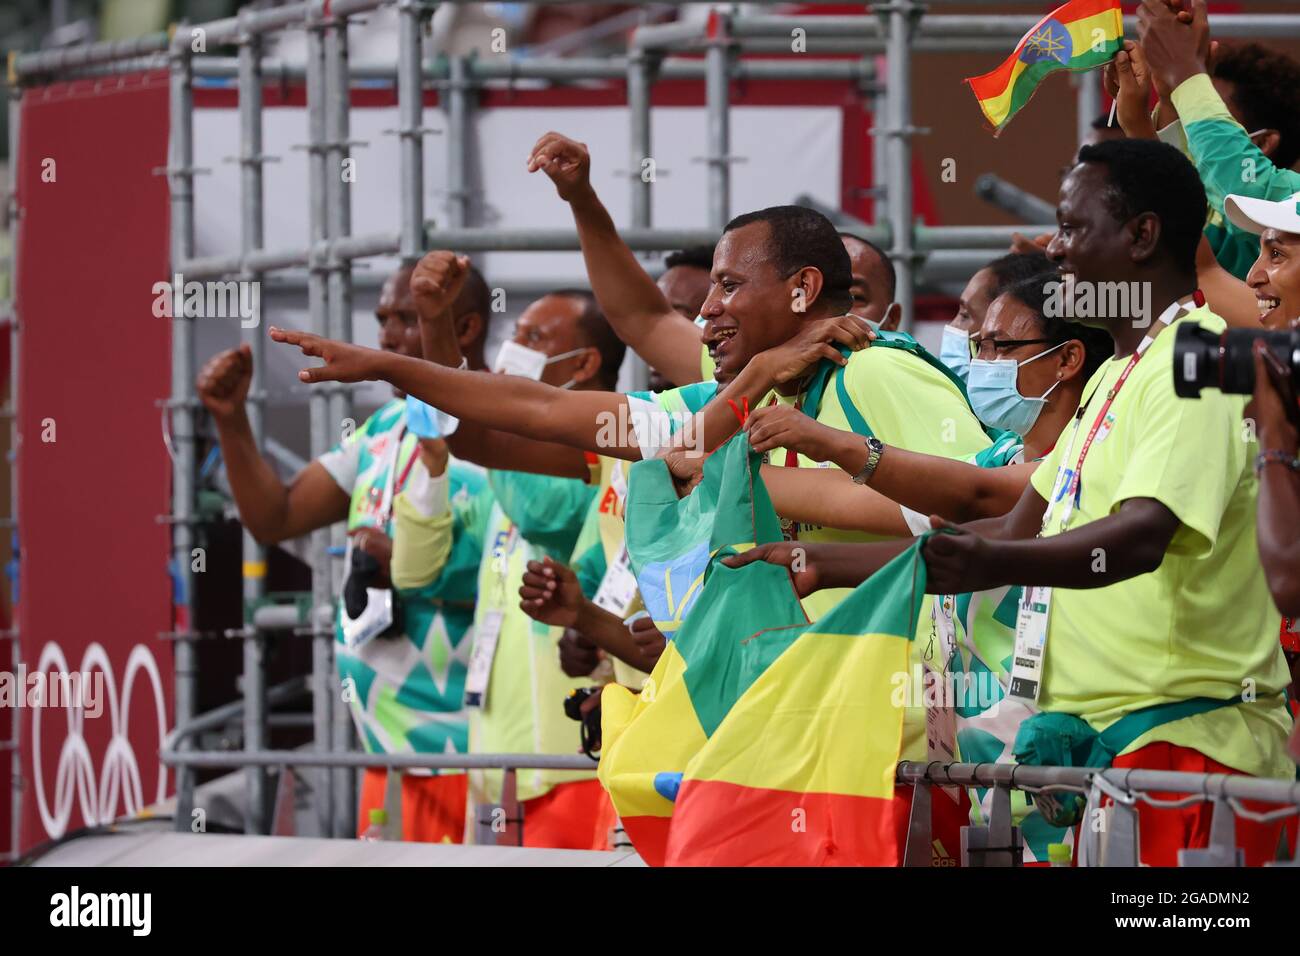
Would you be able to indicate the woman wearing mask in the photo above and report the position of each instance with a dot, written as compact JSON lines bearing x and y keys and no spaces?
{"x":956,"y":349}
{"x":1027,"y":377}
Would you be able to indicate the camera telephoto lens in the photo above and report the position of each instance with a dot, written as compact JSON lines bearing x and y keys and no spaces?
{"x":1223,"y":360}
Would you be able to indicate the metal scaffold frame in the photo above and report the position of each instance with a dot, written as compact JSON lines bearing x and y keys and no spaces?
{"x":884,"y":40}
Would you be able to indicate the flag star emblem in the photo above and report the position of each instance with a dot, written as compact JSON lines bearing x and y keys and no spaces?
{"x":1046,"y":45}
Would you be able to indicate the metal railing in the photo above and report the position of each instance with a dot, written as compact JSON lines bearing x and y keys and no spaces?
{"x":1109,"y":832}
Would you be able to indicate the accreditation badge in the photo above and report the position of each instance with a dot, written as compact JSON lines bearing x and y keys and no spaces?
{"x":1031,"y":643}
{"x":618,"y":587}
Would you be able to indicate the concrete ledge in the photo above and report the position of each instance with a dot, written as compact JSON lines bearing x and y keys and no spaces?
{"x":192,"y":849}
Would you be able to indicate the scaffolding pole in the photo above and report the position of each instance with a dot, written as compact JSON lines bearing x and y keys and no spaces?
{"x":901,"y":20}
{"x":324,"y":684}
{"x":410,"y":111}
{"x":1088,"y":99}
{"x":253,"y":684}
{"x":338,"y":206}
{"x":717,"y":102}
{"x":459,"y":90}
{"x":180,"y":178}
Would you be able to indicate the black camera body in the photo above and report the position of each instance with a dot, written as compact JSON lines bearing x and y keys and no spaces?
{"x":590,"y":729}
{"x":1223,"y":360}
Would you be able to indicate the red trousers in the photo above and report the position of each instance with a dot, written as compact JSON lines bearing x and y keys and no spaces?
{"x":433,"y":808}
{"x":1163,"y":832}
{"x":570,"y":816}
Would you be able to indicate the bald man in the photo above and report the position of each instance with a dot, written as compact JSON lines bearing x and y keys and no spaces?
{"x":406,"y":683}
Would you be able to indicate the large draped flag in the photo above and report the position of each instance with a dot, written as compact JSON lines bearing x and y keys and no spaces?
{"x":649,"y":737}
{"x":801,"y":770}
{"x":1079,"y":35}
{"x":781,"y":733}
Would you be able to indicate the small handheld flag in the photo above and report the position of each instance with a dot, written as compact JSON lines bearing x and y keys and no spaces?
{"x":1079,"y":35}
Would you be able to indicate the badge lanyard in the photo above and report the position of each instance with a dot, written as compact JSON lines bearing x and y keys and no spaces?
{"x":941,"y":720}
{"x":1035,"y":603}
{"x":487,"y":632}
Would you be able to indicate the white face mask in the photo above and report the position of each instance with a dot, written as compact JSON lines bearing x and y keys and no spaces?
{"x":516,"y":359}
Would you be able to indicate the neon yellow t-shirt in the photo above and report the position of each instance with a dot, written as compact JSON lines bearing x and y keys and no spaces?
{"x":1200,"y":625}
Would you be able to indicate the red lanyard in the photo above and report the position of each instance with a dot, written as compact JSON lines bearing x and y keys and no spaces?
{"x":1101,"y":416}
{"x":1072,"y":492}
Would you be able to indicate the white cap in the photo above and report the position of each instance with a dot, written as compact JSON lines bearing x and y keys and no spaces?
{"x":1256,"y":215}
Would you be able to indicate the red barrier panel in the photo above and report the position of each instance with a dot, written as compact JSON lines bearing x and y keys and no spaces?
{"x":93,"y":471}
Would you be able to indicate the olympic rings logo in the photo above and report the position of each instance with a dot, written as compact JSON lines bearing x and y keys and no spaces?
{"x":119,"y":777}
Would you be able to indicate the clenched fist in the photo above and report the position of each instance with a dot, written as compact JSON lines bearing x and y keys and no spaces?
{"x":223,"y":383}
{"x":436,"y":282}
{"x":566,"y":161}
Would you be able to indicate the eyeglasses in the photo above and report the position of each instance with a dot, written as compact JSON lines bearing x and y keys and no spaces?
{"x":990,"y":348}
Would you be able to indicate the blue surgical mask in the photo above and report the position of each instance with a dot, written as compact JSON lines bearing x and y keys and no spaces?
{"x":954,"y":351}
{"x":995,"y":397}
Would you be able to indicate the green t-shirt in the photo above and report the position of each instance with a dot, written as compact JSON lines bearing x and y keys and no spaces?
{"x":407,"y":692}
{"x":1229,"y":164}
{"x":1200,"y":625}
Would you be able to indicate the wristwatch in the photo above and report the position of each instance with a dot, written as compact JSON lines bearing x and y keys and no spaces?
{"x":875,"y":448}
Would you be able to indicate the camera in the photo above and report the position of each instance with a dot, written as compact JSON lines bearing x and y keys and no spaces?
{"x":590,"y":729}
{"x":1223,"y":360}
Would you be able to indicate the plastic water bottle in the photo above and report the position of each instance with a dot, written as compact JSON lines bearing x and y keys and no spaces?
{"x":1059,"y":854}
{"x":378,"y":820}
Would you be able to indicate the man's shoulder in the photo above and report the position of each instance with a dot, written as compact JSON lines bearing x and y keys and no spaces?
{"x":901,"y":356}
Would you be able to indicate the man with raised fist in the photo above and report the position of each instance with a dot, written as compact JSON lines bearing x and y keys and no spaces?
{"x":409,"y":679}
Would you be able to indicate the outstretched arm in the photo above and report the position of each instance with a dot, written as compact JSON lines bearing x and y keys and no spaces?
{"x":821,"y":565}
{"x":633,"y":304}
{"x":587,"y":420}
{"x":929,"y":484}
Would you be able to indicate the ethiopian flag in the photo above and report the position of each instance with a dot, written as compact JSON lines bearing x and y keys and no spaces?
{"x":649,"y":737}
{"x":801,"y":770}
{"x":1079,"y":35}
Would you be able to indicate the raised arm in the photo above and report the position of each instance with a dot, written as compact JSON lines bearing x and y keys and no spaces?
{"x":271,"y":510}
{"x":630,"y":299}
{"x":435,"y":283}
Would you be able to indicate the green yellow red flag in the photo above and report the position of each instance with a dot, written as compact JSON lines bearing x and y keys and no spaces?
{"x":801,"y":770}
{"x":1079,"y":35}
